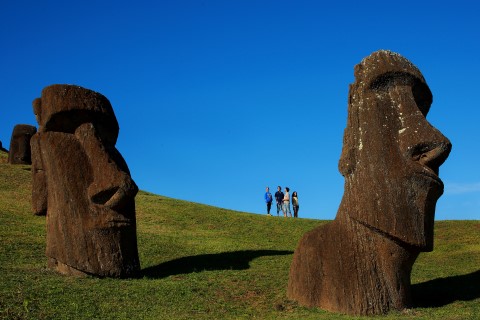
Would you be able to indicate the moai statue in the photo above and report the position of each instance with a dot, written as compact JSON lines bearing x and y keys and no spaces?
{"x":360,"y":264}
{"x":20,"y":144}
{"x":89,"y":198}
{"x":2,"y":148}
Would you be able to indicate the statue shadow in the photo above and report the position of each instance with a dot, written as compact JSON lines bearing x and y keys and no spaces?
{"x":442,"y":291}
{"x":235,"y":260}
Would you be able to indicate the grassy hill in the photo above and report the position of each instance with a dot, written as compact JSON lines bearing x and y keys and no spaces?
{"x":202,"y":262}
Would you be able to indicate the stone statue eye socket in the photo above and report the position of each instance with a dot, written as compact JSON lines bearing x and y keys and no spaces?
{"x":423,"y":96}
{"x":390,"y":79}
{"x":69,"y":121}
{"x":420,"y":91}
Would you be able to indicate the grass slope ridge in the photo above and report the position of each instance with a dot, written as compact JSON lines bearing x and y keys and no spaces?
{"x":204,"y":262}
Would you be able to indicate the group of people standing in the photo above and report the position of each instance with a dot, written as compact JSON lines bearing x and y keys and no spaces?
{"x":283,"y":202}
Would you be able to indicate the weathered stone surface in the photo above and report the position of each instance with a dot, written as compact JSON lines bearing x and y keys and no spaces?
{"x":39,"y":180}
{"x":89,"y":198}
{"x":20,"y":144}
{"x":360,"y":264}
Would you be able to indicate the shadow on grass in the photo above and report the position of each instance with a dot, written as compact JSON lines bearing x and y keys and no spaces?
{"x":442,"y":291}
{"x":236,"y":260}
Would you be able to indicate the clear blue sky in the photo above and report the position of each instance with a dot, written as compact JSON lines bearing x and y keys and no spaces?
{"x":218,"y":99}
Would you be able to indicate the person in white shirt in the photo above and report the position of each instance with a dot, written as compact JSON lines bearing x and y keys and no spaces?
{"x":286,"y":203}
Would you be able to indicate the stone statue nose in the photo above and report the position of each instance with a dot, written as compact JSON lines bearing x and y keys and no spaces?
{"x":430,"y":147}
{"x":431,"y":155}
{"x":113,"y":195}
{"x":111,"y":184}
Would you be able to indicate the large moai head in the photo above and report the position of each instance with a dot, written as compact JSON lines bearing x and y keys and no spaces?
{"x":391,"y":154}
{"x":2,"y":148}
{"x":20,"y":152}
{"x":89,"y":198}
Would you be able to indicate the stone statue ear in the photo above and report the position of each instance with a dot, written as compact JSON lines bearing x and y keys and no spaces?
{"x":348,"y":158}
{"x":37,"y":106}
{"x":346,"y":164}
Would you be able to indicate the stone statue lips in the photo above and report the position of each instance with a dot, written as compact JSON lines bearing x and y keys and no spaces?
{"x":429,"y":157}
{"x":427,"y":172}
{"x":114,"y":219}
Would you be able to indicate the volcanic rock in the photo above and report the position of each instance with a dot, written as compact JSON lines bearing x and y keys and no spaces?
{"x":89,"y":193}
{"x":20,"y":152}
{"x":360,"y":264}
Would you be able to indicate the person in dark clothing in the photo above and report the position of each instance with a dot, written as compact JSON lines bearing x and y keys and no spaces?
{"x":279,"y":199}
{"x":295,"y":204}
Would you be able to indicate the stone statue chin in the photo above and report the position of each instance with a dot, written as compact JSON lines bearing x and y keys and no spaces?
{"x":360,"y":264}
{"x":83,"y":185}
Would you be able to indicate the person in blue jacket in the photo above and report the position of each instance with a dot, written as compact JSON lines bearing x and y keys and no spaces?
{"x":268,"y":200}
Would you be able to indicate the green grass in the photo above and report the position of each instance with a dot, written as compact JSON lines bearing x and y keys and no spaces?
{"x":202,"y":262}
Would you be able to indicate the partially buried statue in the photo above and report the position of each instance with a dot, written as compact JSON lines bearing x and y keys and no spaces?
{"x":2,"y":148}
{"x":20,"y":152}
{"x":83,"y":185}
{"x":360,"y":263}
